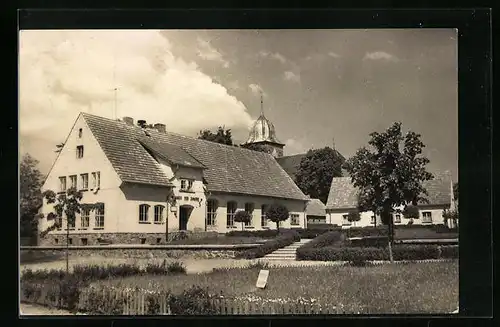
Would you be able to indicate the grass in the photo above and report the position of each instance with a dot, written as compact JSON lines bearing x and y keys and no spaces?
{"x":223,"y":240}
{"x":408,"y":288}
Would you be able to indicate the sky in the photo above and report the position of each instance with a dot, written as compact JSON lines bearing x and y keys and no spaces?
{"x":321,"y":87}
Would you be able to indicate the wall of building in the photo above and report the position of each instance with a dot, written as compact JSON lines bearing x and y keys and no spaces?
{"x":294,"y":206}
{"x":336,"y":217}
{"x":93,"y":160}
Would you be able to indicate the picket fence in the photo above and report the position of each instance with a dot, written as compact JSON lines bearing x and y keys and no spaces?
{"x":136,"y":303}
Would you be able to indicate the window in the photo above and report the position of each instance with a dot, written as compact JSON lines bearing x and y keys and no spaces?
{"x":59,"y":222}
{"x":71,"y":224}
{"x":84,"y":181}
{"x":72,"y":181}
{"x":80,"y":132}
{"x":294,"y":219}
{"x":249,"y":207}
{"x":56,"y":241}
{"x":84,"y":241}
{"x":143,"y":213}
{"x":143,"y":241}
{"x":211,"y":212}
{"x":427,"y":217}
{"x":158,"y":214}
{"x":263,"y":218}
{"x":186,"y":185}
{"x":62,"y":184}
{"x":79,"y":151}
{"x":70,"y":241}
{"x":345,"y":220}
{"x":99,"y":218}
{"x":96,"y":180}
{"x":85,"y":219}
{"x":372,"y":220}
{"x":397,"y":218}
{"x":231,"y":210}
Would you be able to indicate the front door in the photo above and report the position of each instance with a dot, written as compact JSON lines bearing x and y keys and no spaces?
{"x":183,"y":217}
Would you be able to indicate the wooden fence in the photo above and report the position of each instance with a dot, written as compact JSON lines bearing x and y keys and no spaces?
{"x":140,"y":302}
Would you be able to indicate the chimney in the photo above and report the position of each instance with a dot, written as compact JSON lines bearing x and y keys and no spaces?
{"x":128,"y":120}
{"x":141,"y":123}
{"x":160,"y":127}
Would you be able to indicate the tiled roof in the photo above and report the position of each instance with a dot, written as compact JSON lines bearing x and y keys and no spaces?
{"x":229,"y":169}
{"x":343,"y":194}
{"x":315,"y":208}
{"x":172,"y":153}
{"x":291,"y":163}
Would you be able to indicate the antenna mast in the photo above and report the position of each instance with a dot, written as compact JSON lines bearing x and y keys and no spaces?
{"x":261,"y":103}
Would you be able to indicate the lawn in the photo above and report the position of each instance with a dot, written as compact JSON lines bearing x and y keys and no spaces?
{"x":403,"y":288}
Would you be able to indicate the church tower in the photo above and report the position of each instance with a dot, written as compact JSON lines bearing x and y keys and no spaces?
{"x":262,"y":136}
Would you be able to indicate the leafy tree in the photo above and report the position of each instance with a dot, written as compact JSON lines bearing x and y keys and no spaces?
{"x":222,"y":136}
{"x":455,"y":191}
{"x":450,"y":214}
{"x":316,"y":171}
{"x":256,"y":147}
{"x":353,"y":216}
{"x":411,"y":212}
{"x":242,"y":217}
{"x":390,"y":174}
{"x":67,"y":204}
{"x":59,"y":147}
{"x":277,"y":213}
{"x":31,"y":180}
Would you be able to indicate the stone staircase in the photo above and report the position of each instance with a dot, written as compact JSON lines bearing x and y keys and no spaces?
{"x":287,"y":253}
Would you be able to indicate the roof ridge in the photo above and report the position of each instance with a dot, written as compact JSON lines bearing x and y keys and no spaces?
{"x":178,"y":134}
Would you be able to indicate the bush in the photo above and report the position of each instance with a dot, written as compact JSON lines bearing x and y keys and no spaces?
{"x":315,"y":231}
{"x":193,"y":301}
{"x":357,"y":254}
{"x":266,"y":233}
{"x":366,"y":231}
{"x":69,"y":292}
{"x":326,"y":239}
{"x":285,"y":238}
{"x":370,"y":241}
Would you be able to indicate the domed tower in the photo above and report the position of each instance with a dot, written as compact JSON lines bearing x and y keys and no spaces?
{"x":262,"y":136}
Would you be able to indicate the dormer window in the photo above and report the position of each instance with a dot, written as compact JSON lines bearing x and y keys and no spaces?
{"x":187,"y":185}
{"x":79,"y":151}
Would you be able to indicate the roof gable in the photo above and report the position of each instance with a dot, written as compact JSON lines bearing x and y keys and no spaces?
{"x":343,"y":195}
{"x":315,"y":208}
{"x":229,"y":169}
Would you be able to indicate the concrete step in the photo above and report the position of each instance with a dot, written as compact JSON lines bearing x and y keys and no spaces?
{"x":286,"y":251}
{"x":275,"y":255}
{"x":277,"y":259}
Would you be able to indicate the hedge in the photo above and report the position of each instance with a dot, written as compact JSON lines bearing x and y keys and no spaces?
{"x":266,"y":233}
{"x":400,"y":252}
{"x":326,"y":239}
{"x":370,"y":241}
{"x":285,"y":238}
{"x":67,"y":286}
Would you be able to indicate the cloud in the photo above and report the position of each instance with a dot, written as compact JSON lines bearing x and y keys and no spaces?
{"x":333,"y":54}
{"x":276,"y":56}
{"x":256,"y":88}
{"x":291,"y":76}
{"x":234,"y":85}
{"x":380,"y":55}
{"x":207,"y":52}
{"x":293,"y":146}
{"x":62,"y":73}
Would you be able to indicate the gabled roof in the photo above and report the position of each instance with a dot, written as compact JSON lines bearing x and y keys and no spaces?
{"x":229,"y":169}
{"x":343,"y":195}
{"x":171,"y":153}
{"x":315,"y":208}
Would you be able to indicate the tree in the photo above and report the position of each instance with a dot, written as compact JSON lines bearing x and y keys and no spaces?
{"x":316,"y":171}
{"x":411,"y":212}
{"x":256,"y":147}
{"x":59,"y":147}
{"x":67,"y":204}
{"x":390,"y":174}
{"x":222,"y":136}
{"x":455,"y":191}
{"x":31,"y":180}
{"x":242,"y":217}
{"x":353,"y":216}
{"x":450,"y":214}
{"x":277,"y":213}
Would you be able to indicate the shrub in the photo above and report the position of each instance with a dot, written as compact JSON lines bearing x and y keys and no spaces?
{"x":366,"y":231}
{"x":69,"y":292}
{"x":242,"y":216}
{"x":193,"y":301}
{"x":326,"y":239}
{"x":342,"y":254}
{"x":258,"y":265}
{"x":415,"y":252}
{"x":277,"y":213}
{"x":285,"y":238}
{"x":99,"y":301}
{"x":449,"y":252}
{"x":370,"y":241}
{"x":176,"y":267}
{"x":267,"y":233}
